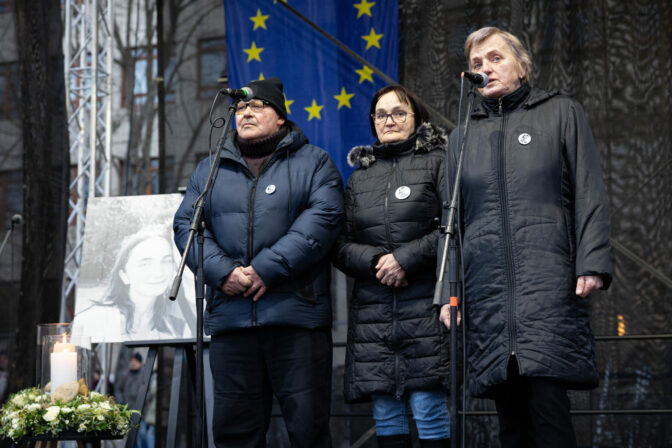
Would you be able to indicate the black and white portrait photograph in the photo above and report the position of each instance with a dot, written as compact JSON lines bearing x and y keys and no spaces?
{"x":129,"y":261}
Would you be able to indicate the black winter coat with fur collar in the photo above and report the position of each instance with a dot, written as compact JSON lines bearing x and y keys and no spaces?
{"x":393,"y":202}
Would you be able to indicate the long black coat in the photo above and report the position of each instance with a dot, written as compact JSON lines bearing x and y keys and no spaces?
{"x":395,"y":341}
{"x":536,"y":218}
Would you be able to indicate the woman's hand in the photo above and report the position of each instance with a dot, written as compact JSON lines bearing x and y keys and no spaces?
{"x":587,"y":284}
{"x":444,"y":316}
{"x":389,"y":272}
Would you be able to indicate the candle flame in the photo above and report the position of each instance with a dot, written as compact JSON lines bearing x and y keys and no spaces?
{"x":65,"y":346}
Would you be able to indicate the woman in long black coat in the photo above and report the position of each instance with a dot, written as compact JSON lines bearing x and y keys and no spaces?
{"x":536,"y":244}
{"x":397,"y":351}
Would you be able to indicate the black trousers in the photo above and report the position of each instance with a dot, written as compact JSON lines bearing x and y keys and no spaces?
{"x":250,"y":365}
{"x":533,"y":412}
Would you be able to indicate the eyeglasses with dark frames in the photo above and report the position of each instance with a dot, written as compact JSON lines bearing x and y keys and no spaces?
{"x":255,"y":106}
{"x":398,"y":116}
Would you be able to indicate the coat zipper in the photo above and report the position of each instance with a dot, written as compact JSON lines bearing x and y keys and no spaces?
{"x":387,"y":194}
{"x":250,"y":243}
{"x":507,"y":234}
{"x":250,"y":226}
{"x":394,"y":293}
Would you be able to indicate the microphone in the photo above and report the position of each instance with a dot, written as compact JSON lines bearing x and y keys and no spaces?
{"x":240,"y":94}
{"x":479,"y":79}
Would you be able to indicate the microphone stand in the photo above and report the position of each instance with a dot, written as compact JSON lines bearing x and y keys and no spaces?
{"x":450,"y":255}
{"x":198,"y":226}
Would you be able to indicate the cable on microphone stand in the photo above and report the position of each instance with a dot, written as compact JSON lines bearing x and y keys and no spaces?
{"x":449,"y":255}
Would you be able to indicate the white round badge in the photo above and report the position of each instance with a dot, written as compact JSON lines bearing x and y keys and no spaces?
{"x":402,"y":192}
{"x":270,"y":189}
{"x":524,"y":138}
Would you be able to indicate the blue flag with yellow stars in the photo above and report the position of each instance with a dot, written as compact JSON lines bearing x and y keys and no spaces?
{"x":327,"y":92}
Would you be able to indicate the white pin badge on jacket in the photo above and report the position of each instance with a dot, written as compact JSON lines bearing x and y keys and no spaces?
{"x":524,"y":138}
{"x":402,"y":192}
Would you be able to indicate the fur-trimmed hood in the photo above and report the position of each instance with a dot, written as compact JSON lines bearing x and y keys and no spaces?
{"x":428,"y":138}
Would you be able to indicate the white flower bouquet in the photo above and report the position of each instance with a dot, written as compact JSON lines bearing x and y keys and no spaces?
{"x":32,"y":412}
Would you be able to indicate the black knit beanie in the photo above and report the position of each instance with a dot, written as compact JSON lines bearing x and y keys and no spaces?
{"x":270,"y":90}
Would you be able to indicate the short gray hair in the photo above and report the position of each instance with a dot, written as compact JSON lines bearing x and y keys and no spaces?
{"x":522,"y":56}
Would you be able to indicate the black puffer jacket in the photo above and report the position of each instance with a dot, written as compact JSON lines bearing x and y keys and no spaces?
{"x":536,"y":217}
{"x":282,"y":222}
{"x":393,"y":205}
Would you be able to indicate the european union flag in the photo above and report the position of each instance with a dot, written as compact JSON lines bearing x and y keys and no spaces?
{"x":328,"y":92}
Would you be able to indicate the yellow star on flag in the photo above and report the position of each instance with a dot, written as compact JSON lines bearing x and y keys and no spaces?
{"x":261,"y":76}
{"x":344,"y":98}
{"x":259,"y":20}
{"x":364,"y":7}
{"x":287,"y":104}
{"x":253,"y":52}
{"x":365,"y":74}
{"x":314,"y":111}
{"x":372,"y":39}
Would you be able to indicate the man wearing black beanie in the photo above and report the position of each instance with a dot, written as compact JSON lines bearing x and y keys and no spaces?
{"x":273,"y":214}
{"x":270,"y":90}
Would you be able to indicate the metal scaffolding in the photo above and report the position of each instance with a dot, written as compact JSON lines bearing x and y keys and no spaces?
{"x":88,"y":48}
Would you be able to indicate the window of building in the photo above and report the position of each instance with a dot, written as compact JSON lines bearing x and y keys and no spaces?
{"x":145,"y":70}
{"x":10,"y":87}
{"x":212,"y":74}
{"x":153,"y":187}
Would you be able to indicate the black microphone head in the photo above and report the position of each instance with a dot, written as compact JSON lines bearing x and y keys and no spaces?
{"x":479,"y":79}
{"x":484,"y":81}
{"x":249,"y":93}
{"x":244,"y":94}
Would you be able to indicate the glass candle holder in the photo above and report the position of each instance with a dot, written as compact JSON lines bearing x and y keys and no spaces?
{"x":56,"y":329}
{"x":65,"y":358}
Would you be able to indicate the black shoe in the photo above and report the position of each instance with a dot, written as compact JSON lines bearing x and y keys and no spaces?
{"x":397,"y":441}
{"x":435,"y":443}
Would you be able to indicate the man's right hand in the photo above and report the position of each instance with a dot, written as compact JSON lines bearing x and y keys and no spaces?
{"x":236,"y":283}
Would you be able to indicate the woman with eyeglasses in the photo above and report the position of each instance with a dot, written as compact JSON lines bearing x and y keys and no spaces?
{"x":396,"y":353}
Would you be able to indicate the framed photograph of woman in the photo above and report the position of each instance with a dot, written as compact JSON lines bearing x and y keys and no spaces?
{"x":128,"y":264}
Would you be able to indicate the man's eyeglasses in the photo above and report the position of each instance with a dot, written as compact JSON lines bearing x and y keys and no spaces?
{"x":398,"y":116}
{"x":255,"y":106}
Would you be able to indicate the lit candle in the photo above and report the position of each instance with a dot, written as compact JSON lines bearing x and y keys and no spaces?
{"x":63,"y":364}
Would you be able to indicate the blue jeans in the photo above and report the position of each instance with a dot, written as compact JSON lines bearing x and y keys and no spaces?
{"x":430,"y":412}
{"x":145,"y":437}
